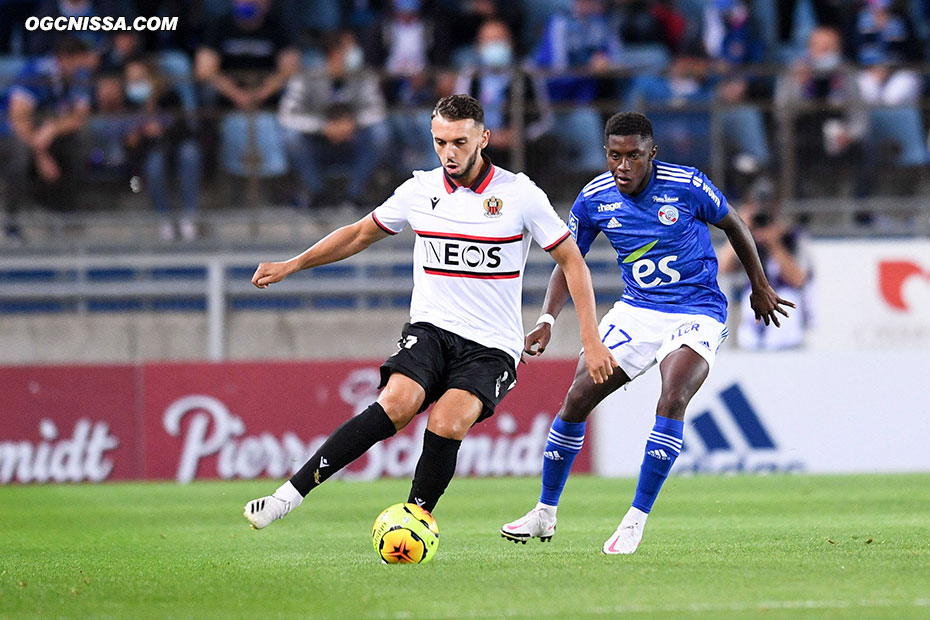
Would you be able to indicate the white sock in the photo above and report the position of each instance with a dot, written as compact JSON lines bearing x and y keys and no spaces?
{"x":288,"y":493}
{"x":546,"y":508}
{"x":635,"y":515}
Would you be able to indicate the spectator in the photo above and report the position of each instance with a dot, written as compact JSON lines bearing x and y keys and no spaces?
{"x":458,"y":22}
{"x":820,"y":105}
{"x":160,"y":133}
{"x":585,"y":39}
{"x":654,"y":21}
{"x":335,"y":113}
{"x":48,"y":107}
{"x":732,"y":38}
{"x":885,"y":42}
{"x":884,"y":33}
{"x":782,"y":250}
{"x":247,"y":57}
{"x":491,"y":83}
{"x":406,"y":40}
{"x":41,"y":43}
{"x":679,"y":102}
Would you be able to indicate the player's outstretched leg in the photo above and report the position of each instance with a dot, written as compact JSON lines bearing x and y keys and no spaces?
{"x":347,"y":443}
{"x":563,"y":445}
{"x":662,"y":449}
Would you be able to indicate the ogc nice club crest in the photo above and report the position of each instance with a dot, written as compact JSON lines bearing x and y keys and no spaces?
{"x":493,"y":207}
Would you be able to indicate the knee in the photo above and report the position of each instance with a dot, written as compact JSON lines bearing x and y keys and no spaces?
{"x":452,"y":427}
{"x":189,"y":154}
{"x":400,"y":406}
{"x":672,"y":405}
{"x":577,"y":406}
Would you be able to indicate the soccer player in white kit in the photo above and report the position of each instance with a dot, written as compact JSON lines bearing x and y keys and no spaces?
{"x":474,"y":223}
{"x":671,"y":313}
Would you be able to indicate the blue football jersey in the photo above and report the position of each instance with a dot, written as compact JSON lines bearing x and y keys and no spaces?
{"x":661,"y":238}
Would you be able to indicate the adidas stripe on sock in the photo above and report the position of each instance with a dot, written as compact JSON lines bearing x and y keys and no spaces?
{"x":662,"y":449}
{"x":563,"y":445}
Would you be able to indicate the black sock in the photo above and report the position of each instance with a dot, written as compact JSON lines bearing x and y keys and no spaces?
{"x":434,"y":469}
{"x":347,"y":443}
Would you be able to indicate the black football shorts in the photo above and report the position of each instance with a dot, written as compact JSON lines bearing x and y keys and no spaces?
{"x":439,"y":360}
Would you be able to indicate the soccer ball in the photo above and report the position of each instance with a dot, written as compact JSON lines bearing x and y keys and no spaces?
{"x":405,"y":534}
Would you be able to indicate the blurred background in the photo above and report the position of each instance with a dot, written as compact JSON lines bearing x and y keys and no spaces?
{"x":144,"y":174}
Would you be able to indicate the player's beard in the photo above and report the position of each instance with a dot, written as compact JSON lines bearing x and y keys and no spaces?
{"x":465,"y":170}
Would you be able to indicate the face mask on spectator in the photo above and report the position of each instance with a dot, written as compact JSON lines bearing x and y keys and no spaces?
{"x":496,"y":54}
{"x":245,"y":10}
{"x":354,"y":59}
{"x":826,"y":62}
{"x":138,"y":92}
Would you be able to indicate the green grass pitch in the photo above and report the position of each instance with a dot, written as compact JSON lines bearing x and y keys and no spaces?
{"x":715,"y":547}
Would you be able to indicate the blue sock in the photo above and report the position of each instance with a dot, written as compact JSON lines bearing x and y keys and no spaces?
{"x":662,"y":449}
{"x":564,"y":444}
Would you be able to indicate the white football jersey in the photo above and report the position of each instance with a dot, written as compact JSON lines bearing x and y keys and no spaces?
{"x":471,"y":248}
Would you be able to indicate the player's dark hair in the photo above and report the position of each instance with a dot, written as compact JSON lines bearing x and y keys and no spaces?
{"x":459,"y":107}
{"x":628,"y":124}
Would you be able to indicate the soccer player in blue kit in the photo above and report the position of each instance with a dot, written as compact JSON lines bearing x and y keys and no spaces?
{"x":671,"y":313}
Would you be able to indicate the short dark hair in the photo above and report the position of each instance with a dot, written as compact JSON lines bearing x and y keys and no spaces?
{"x":628,"y":124}
{"x":459,"y":107}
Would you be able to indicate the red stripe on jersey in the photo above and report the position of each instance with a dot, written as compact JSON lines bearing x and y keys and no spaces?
{"x":487,"y":180}
{"x":553,"y":246}
{"x":382,"y":226}
{"x":441,"y":235}
{"x":505,"y":275}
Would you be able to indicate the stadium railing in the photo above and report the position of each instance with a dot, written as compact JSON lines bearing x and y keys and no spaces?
{"x":218,"y":283}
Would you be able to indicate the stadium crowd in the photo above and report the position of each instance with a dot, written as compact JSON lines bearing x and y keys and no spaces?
{"x":333,"y":95}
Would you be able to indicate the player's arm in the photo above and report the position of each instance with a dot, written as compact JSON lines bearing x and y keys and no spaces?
{"x":577,"y":277}
{"x":337,"y":245}
{"x":556,"y":297}
{"x":557,"y":293}
{"x":763,"y":299}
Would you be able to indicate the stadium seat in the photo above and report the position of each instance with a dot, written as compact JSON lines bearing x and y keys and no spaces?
{"x":236,"y":152}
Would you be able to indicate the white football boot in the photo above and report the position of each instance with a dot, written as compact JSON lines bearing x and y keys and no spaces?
{"x":628,"y":535}
{"x":537,"y":523}
{"x":262,"y":511}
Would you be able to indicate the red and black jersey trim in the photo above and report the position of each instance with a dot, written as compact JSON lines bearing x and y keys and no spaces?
{"x":454,"y":237}
{"x":553,"y":246}
{"x":479,"y":185}
{"x":456,"y":273}
{"x":382,"y":226}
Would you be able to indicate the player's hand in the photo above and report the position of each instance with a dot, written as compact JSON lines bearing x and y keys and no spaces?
{"x":599,"y":361}
{"x":537,"y":340}
{"x":269,"y":273}
{"x":768,"y":305}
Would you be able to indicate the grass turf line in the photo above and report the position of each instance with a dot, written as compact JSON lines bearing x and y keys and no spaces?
{"x":715,"y":547}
